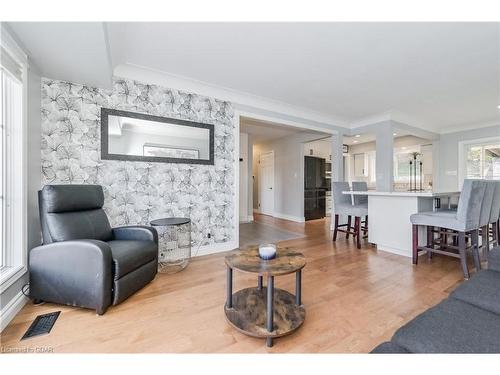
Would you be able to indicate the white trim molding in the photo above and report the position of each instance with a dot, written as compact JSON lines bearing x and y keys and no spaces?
{"x":466,"y":127}
{"x":237,"y":98}
{"x":298,"y":219}
{"x":17,"y":177}
{"x":236,"y":169}
{"x":215,"y":248}
{"x":246,"y":219}
{"x":392,"y":250}
{"x":10,"y":275}
{"x":11,"y":309}
{"x":280,"y":119}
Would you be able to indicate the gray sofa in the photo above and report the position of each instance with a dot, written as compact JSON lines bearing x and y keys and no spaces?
{"x":83,"y":261}
{"x":468,"y":321}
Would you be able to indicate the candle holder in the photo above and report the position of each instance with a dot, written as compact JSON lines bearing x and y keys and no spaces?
{"x":416,"y":168}
{"x":267,"y":251}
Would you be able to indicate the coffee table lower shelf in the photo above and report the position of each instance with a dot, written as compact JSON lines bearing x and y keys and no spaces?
{"x":248,"y":312}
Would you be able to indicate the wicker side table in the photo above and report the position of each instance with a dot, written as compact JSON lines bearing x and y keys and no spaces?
{"x":174,"y":243}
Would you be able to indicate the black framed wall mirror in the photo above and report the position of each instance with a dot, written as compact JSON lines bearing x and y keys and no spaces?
{"x":140,"y":137}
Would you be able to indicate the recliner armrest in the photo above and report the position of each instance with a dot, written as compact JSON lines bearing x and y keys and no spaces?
{"x":494,"y":259}
{"x":136,"y":232}
{"x":77,"y":273}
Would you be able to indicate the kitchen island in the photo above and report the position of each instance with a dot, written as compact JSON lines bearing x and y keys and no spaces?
{"x":389,"y":225}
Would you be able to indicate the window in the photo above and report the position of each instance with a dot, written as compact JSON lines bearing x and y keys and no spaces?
{"x":483,"y":161}
{"x":12,"y":159}
{"x":402,"y":159}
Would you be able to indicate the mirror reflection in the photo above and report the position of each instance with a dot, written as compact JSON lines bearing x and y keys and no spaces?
{"x":134,"y":136}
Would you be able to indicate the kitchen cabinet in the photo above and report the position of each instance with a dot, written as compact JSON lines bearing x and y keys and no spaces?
{"x":426,"y":151}
{"x":360,"y":165}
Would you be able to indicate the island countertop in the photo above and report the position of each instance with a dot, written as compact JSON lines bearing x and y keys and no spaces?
{"x":389,"y":212}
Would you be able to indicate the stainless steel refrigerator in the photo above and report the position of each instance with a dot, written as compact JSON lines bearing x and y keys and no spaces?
{"x":315,"y":188}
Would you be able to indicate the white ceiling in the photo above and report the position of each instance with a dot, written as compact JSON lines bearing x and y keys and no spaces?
{"x":370,"y":137}
{"x":363,"y":138}
{"x":440,"y":74}
{"x":76,"y":52}
{"x":264,"y":131}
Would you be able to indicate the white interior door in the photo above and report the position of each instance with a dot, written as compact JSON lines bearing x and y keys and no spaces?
{"x":266,"y":183}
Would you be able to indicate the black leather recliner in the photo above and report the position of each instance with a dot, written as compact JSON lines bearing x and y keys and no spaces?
{"x":83,"y":261}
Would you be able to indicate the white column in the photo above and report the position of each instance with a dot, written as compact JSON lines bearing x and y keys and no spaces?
{"x":384,"y":156}
{"x":435,"y":166}
{"x":337,"y":158}
{"x":337,"y":167}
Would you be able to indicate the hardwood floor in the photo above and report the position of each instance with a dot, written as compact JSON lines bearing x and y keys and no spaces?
{"x":354,"y":300}
{"x":255,"y":233}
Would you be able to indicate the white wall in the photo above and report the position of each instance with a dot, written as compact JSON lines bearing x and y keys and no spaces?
{"x":288,"y":174}
{"x":449,"y":153}
{"x":321,"y":148}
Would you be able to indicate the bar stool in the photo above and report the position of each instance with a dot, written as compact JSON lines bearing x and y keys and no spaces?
{"x":342,"y":205}
{"x":361,"y":200}
{"x":464,"y":220}
{"x":492,"y":226}
{"x":485,"y":215}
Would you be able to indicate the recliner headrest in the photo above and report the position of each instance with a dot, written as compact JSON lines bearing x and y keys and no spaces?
{"x":66,"y":198}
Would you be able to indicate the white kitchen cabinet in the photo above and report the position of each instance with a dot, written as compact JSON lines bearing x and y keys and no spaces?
{"x":360,"y":165}
{"x":426,"y":151}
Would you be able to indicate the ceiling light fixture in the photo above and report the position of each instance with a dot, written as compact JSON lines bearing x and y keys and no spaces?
{"x":394,"y":134}
{"x":498,"y":106}
{"x":354,"y":141}
{"x":357,"y":136}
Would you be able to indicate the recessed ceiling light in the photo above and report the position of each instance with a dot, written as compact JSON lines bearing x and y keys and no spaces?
{"x":498,"y":106}
{"x":394,"y":133}
{"x":354,"y":141}
{"x":357,"y":136}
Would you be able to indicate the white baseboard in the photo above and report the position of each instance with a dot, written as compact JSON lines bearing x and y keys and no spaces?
{"x":11,"y":309}
{"x":297,"y":219}
{"x":394,"y":250}
{"x":214,"y":248}
{"x":246,"y":219}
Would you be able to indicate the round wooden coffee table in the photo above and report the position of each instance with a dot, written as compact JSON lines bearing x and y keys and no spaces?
{"x":266,"y":312}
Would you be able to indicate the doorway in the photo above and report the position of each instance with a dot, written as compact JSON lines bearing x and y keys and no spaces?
{"x":266,"y":183}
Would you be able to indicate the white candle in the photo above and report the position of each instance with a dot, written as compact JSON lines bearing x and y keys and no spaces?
{"x":267,"y":251}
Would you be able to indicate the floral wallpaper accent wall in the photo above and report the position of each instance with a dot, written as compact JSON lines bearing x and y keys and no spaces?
{"x":138,"y":192}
